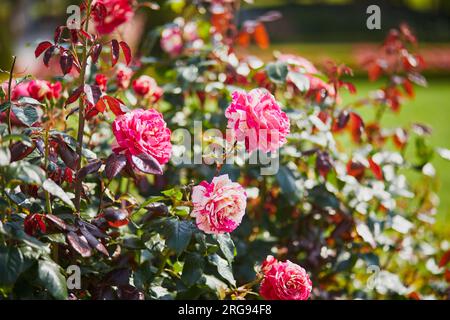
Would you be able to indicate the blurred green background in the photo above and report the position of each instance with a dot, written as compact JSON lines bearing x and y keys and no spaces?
{"x":317,"y":30}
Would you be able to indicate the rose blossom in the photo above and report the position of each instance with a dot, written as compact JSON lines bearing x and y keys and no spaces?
{"x":147,"y":86}
{"x":123,"y":76}
{"x":41,"y":89}
{"x":284,"y":281}
{"x":109,"y":14}
{"x":101,"y":80}
{"x":143,"y":131}
{"x":256,"y":118}
{"x":218,"y":206}
{"x":172,"y":40}
{"x":36,"y":89}
{"x":17,"y":90}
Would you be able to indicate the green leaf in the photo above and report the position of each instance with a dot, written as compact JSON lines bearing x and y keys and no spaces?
{"x":5,"y":106}
{"x":227,"y":247}
{"x":11,"y":265}
{"x":55,"y":190}
{"x":223,"y":268}
{"x":300,"y":81}
{"x":178,"y":234}
{"x":288,"y":185}
{"x":5,"y":157}
{"x":193,"y":268}
{"x":26,"y":172}
{"x":27,"y":115}
{"x":173,"y":194}
{"x":277,"y":72}
{"x":49,"y":275}
{"x":182,"y":211}
{"x":29,"y":101}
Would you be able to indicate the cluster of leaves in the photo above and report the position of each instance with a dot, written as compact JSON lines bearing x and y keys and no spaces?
{"x":340,"y":205}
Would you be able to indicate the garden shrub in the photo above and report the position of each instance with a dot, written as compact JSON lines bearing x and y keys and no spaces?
{"x":92,"y":177}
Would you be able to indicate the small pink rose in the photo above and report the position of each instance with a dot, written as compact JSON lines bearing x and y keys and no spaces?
{"x":218,"y":206}
{"x":284,"y":281}
{"x":143,"y":131}
{"x":257,"y":119}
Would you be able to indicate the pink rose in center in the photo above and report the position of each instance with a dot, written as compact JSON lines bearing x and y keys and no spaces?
{"x":143,"y":131}
{"x":257,"y":118}
{"x":109,"y":14}
{"x":218,"y":206}
{"x":284,"y":281}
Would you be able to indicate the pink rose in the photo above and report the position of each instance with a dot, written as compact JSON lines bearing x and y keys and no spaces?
{"x":172,"y":40}
{"x":41,"y":89}
{"x":284,"y":281}
{"x":109,"y":14}
{"x":147,"y":86}
{"x":17,"y":90}
{"x":101,"y":80}
{"x":143,"y":131}
{"x":123,"y":77}
{"x":256,"y":118}
{"x":218,"y":206}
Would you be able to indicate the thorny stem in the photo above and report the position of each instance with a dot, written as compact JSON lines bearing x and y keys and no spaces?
{"x":11,"y":73}
{"x":81,"y":120}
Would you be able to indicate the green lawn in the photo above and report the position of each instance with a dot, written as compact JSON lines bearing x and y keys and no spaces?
{"x":432,"y":107}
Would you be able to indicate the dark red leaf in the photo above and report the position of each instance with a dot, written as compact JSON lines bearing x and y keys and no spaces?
{"x":93,"y":93}
{"x":323,"y":163}
{"x":66,"y":62}
{"x":400,"y":138}
{"x":115,"y":50}
{"x":128,"y":292}
{"x":356,"y":126}
{"x":58,"y":32}
{"x":74,"y":36}
{"x":68,"y":156}
{"x":95,"y":231}
{"x":409,"y":89}
{"x":115,"y":105}
{"x":79,"y":244}
{"x":147,"y":164}
{"x":93,"y":242}
{"x":19,"y":150}
{"x":376,"y":169}
{"x":126,"y":51}
{"x":48,"y":54}
{"x":341,"y":121}
{"x":114,"y":164}
{"x":60,"y":223}
{"x":43,"y":46}
{"x":91,"y":167}
{"x":86,"y":35}
{"x":96,"y":51}
{"x":116,"y":217}
{"x":355,"y":169}
{"x":100,"y":105}
{"x":74,"y":95}
{"x":445,"y":259}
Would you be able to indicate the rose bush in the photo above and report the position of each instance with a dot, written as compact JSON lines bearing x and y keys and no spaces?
{"x":86,"y":177}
